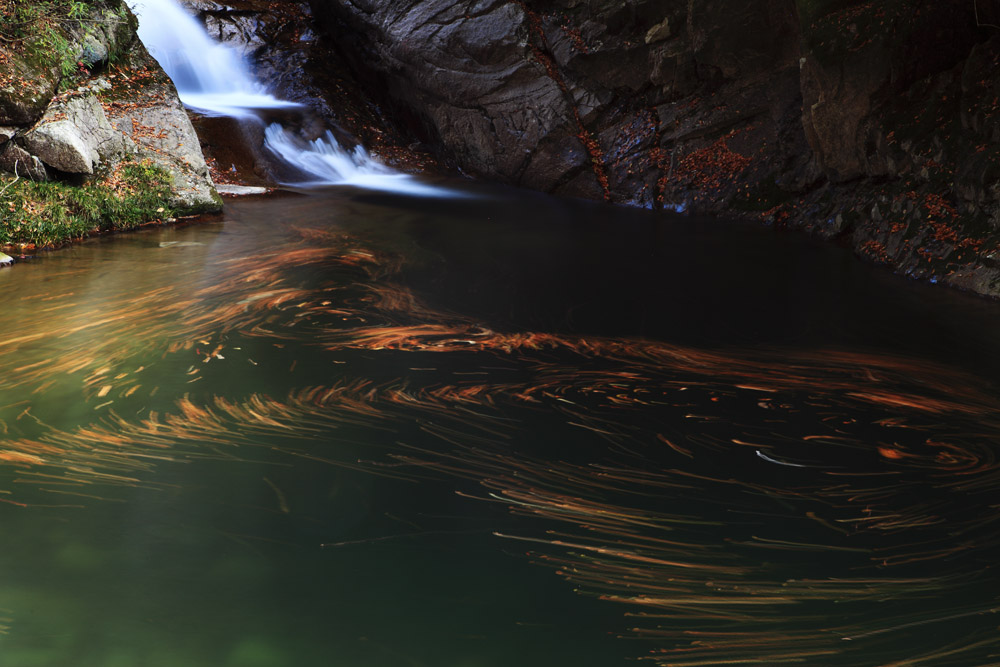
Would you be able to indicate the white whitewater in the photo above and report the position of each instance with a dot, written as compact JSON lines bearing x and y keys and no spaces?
{"x":213,"y":79}
{"x":327,"y":162}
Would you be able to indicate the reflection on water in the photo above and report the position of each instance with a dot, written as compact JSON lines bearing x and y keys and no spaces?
{"x":341,"y":429}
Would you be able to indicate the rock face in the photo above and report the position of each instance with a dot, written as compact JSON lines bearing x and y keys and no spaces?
{"x":871,"y":121}
{"x":142,"y":106}
{"x":26,"y":86}
{"x":570,"y":97}
{"x":476,"y":83}
{"x":107,"y":115}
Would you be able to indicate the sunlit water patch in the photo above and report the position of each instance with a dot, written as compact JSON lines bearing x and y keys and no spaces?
{"x":490,"y":434}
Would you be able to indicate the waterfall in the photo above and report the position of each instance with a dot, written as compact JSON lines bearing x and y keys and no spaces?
{"x":210,"y":77}
{"x":327,"y":162}
{"x":213,"y":79}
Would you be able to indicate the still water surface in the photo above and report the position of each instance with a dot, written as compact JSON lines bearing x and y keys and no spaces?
{"x":361,"y":430}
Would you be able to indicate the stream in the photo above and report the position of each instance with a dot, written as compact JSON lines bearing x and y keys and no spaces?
{"x":365,"y":429}
{"x":400,"y":422}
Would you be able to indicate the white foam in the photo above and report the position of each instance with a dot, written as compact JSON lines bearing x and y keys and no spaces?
{"x":328,"y":163}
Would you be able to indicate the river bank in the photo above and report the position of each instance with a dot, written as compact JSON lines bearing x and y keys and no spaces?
{"x":93,"y":137}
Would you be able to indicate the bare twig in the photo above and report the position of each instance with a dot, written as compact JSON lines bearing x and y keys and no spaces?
{"x":16,"y":179}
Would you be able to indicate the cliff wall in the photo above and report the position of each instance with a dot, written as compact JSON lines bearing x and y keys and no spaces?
{"x":872,"y":122}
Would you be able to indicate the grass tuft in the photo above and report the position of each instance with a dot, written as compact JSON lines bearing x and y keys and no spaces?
{"x":46,"y":214}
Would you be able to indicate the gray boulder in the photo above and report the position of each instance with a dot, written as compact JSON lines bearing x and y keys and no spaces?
{"x":158,"y":129}
{"x":75,"y":136}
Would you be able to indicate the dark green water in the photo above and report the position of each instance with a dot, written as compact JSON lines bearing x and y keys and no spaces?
{"x":361,"y":430}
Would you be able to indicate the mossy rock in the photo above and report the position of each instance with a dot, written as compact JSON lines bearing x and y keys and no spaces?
{"x":27,"y":84}
{"x":108,"y":34}
{"x":34,"y":60}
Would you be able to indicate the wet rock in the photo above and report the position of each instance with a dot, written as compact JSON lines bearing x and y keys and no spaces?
{"x":241,"y":190}
{"x":855,"y":61}
{"x":208,"y":6}
{"x":805,"y":114}
{"x":742,"y":39}
{"x":471,"y":79}
{"x":233,"y":148}
{"x":242,"y":31}
{"x":503,"y":88}
{"x":658,"y":32}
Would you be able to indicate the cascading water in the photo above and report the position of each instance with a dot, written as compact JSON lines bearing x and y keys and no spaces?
{"x":327,"y":162}
{"x":210,"y":77}
{"x":214,"y":80}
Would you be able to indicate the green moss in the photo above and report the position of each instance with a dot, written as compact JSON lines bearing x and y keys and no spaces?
{"x":19,"y":19}
{"x":51,"y":34}
{"x":208,"y":207}
{"x":47,"y":214}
